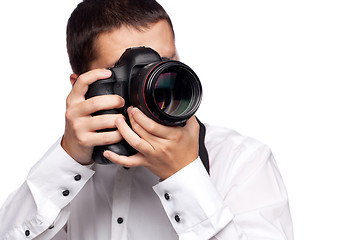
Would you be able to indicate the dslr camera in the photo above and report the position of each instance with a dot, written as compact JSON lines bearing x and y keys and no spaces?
{"x":165,"y":90}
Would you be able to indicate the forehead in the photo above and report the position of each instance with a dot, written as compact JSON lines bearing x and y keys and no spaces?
{"x":110,"y":46}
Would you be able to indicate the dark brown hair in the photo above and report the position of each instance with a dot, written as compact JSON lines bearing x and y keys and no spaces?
{"x":93,"y":17}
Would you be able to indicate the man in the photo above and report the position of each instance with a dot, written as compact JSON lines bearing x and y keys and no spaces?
{"x":162,"y":192}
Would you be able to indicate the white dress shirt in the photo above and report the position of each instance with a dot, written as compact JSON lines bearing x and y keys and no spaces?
{"x":243,"y":198}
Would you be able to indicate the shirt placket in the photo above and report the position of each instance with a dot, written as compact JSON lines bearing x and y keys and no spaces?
{"x":121,"y":202}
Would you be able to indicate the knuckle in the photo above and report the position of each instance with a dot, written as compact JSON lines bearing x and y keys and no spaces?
{"x":153,"y":128}
{"x":76,"y":126}
{"x":137,"y":144}
{"x":82,"y":140}
{"x":81,"y":79}
{"x":98,"y":73}
{"x":78,"y":133}
{"x":104,"y":121}
{"x":164,"y":149}
{"x":94,"y":104}
{"x":136,"y":128}
{"x":107,"y":138}
{"x":68,"y":114}
{"x":178,"y":135}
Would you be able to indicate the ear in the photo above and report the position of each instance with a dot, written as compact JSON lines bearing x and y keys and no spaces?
{"x":73,"y":78}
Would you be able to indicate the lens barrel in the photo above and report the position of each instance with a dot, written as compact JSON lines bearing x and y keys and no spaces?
{"x":169,"y":92}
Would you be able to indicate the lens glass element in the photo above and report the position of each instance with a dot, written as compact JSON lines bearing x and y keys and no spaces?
{"x":173,"y":93}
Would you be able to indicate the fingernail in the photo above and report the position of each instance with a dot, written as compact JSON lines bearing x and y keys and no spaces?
{"x":107,"y":72}
{"x":122,"y":101}
{"x":133,"y":110}
{"x":106,"y":154}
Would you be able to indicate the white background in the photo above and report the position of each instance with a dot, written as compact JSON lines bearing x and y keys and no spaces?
{"x":284,"y":72}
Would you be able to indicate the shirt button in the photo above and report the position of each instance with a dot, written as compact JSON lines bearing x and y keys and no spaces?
{"x":51,"y":227}
{"x":66,"y":193}
{"x":27,"y":233}
{"x":120,"y":220}
{"x":77,"y":177}
{"x":167,"y":196}
{"x":177,"y":218}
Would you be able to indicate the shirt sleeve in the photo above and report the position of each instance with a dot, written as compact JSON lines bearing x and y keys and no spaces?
{"x":39,"y":208}
{"x":247,"y":203}
{"x":194,"y":207}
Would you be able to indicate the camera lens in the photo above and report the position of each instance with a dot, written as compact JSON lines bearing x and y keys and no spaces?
{"x":170,"y":92}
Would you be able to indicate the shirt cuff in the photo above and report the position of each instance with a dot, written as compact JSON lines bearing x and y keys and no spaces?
{"x":55,"y":180}
{"x":195,"y":208}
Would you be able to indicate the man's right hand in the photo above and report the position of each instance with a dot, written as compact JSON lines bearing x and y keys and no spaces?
{"x":80,"y":136}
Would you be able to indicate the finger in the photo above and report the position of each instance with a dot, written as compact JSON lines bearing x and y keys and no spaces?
{"x":106,"y":138}
{"x":131,"y":137}
{"x":100,"y":122}
{"x":82,"y":83}
{"x":97,"y":103}
{"x":138,"y":129}
{"x":132,"y":161}
{"x":100,"y":138}
{"x":149,"y":125}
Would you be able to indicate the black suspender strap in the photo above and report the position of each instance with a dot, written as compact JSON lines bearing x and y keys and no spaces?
{"x":204,"y":156}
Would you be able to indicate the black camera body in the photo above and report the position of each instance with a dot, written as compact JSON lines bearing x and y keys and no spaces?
{"x":167,"y":91}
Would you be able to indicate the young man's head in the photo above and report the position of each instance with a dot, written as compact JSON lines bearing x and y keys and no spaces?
{"x":99,"y":31}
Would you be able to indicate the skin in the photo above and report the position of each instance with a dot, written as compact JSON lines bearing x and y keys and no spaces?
{"x":162,"y":149}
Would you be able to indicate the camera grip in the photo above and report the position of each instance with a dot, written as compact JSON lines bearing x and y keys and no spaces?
{"x":121,"y":148}
{"x":106,"y":87}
